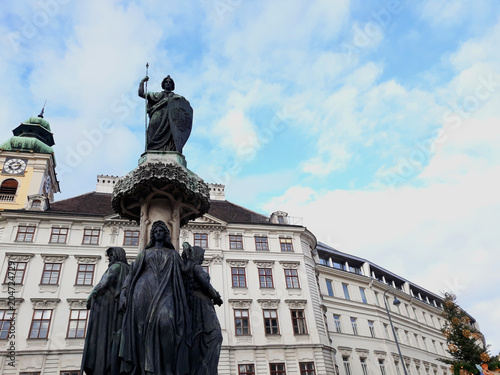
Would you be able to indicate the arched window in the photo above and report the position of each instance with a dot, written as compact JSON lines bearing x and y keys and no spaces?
{"x":9,"y":186}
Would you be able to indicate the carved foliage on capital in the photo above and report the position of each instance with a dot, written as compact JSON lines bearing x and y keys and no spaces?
{"x":269,"y":303}
{"x":240,"y":303}
{"x":264,"y":263}
{"x":88,"y":259}
{"x":45,"y":303}
{"x":77,"y":304}
{"x":54,"y":258}
{"x":19,"y":257}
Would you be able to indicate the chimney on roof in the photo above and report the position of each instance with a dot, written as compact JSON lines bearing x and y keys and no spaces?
{"x":105,"y":183}
{"x":217,"y":192}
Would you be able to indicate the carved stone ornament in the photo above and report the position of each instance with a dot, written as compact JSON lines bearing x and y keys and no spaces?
{"x":416,"y":361}
{"x":184,"y":235}
{"x":19,"y":257}
{"x":5,"y":303}
{"x":380,"y":354}
{"x":345,"y":351}
{"x":77,"y":304}
{"x":427,"y":365}
{"x":296,"y":303}
{"x":395,"y":357}
{"x":407,"y":361}
{"x":156,"y":179}
{"x":264,"y":263}
{"x":87,"y":259}
{"x":237,"y":262}
{"x":217,"y":259}
{"x":362,"y":353}
{"x":269,"y":303}
{"x":289,"y":265}
{"x":240,"y":303}
{"x":217,"y":239}
{"x":45,"y":303}
{"x":54,"y":258}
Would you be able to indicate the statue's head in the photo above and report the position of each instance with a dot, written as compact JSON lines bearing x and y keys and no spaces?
{"x":198,"y":254}
{"x":168,"y":84}
{"x":116,"y":254}
{"x":159,"y":232}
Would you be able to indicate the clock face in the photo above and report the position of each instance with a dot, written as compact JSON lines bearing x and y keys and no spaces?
{"x":15,"y":165}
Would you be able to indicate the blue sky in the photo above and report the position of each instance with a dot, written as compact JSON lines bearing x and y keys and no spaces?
{"x":377,"y":122}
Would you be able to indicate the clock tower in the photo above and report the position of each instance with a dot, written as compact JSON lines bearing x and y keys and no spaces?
{"x":27,"y":178}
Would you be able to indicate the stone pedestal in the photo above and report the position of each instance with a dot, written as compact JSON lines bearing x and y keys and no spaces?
{"x":161,"y":188}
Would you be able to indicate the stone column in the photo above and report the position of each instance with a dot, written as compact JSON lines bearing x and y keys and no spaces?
{"x":161,"y":188}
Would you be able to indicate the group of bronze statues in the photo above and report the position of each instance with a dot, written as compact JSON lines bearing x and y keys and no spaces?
{"x":155,"y":316}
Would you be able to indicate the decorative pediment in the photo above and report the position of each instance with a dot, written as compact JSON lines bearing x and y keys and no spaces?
{"x":296,"y":303}
{"x":269,"y":303}
{"x":237,"y":262}
{"x":77,"y":304}
{"x":54,"y":258}
{"x":6,"y":303}
{"x":45,"y":303}
{"x":289,"y":265}
{"x":345,"y":351}
{"x":206,"y":220}
{"x":240,"y":303}
{"x":19,"y":257}
{"x":362,"y":353}
{"x":88,"y":259}
{"x":264,"y":263}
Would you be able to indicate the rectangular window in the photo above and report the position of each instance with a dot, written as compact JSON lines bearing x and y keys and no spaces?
{"x":241,"y":322}
{"x":5,"y":322}
{"x":277,"y":368}
{"x":382,"y":367}
{"x":371,"y":326}
{"x":201,"y":239}
{"x":386,"y":331}
{"x":377,"y":300}
{"x":40,"y":324}
{"x":338,"y":326}
{"x":364,"y":366}
{"x":354,"y":324}
{"x":363,"y":295}
{"x":30,"y":373}
{"x":239,"y":277}
{"x":307,"y":368}
{"x":58,"y":235}
{"x":131,"y":238}
{"x":266,"y":278}
{"x":398,"y":370}
{"x":50,"y":275}
{"x":77,"y":324}
{"x":15,"y":272}
{"x":261,"y":243}
{"x":299,"y":322}
{"x":347,"y":365}
{"x":85,"y":274}
{"x":71,"y":372}
{"x":292,"y":279}
{"x":246,"y":370}
{"x":91,"y":236}
{"x":286,"y":244}
{"x":329,"y":287}
{"x":236,"y":241}
{"x":338,"y":265}
{"x":206,"y":269}
{"x":25,"y":233}
{"x":271,"y":322}
{"x":346,"y":291}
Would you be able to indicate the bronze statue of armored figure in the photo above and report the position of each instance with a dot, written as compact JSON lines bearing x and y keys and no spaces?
{"x":170,"y":117}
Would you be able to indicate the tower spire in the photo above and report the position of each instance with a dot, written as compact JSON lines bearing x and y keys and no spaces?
{"x":43,"y":109}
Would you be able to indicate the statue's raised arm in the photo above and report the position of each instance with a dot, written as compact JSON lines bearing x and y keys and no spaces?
{"x":170,"y":117}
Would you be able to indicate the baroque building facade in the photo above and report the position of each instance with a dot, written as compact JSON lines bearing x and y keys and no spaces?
{"x":291,"y":305}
